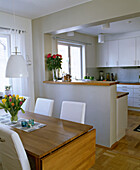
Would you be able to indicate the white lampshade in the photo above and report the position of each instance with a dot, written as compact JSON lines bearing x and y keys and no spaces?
{"x":100,"y":38}
{"x":16,"y":67}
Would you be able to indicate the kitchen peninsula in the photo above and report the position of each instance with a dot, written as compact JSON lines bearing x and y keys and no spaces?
{"x":100,"y":99}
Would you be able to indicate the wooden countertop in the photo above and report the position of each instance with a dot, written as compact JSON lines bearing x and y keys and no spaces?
{"x":93,"y":83}
{"x":121,"y":94}
{"x":130,"y":83}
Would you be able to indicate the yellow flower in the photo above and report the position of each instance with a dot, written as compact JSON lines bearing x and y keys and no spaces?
{"x":13,"y":95}
{"x":5,"y":96}
{"x":17,"y":96}
{"x":21,"y":98}
{"x":3,"y":101}
{"x":10,"y":97}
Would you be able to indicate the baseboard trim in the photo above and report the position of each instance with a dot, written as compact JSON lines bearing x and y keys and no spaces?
{"x":134,"y":108}
{"x":109,"y":148}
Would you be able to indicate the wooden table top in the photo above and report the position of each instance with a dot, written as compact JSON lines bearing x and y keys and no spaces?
{"x":54,"y":135}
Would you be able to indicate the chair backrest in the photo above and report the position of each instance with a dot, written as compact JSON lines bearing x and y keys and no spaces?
{"x":12,"y":152}
{"x":26,"y":104}
{"x":73,"y":111}
{"x":44,"y":106}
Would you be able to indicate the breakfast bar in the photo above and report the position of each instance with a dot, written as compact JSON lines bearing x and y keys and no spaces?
{"x":100,"y":99}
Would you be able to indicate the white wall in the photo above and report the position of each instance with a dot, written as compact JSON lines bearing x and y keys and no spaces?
{"x":6,"y":21}
{"x":100,"y":107}
{"x":91,"y":12}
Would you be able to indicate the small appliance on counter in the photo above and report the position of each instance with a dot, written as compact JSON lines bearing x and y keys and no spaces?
{"x":101,"y":76}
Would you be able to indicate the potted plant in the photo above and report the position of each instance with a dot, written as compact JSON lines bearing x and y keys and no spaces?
{"x":53,"y":63}
{"x":12,"y":104}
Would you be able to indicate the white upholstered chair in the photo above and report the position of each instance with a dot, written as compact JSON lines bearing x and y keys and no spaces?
{"x":44,"y":106}
{"x":12,"y":152}
{"x":73,"y":111}
{"x":26,"y":104}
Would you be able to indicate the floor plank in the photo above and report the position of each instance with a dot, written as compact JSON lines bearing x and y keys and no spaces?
{"x":126,"y":155}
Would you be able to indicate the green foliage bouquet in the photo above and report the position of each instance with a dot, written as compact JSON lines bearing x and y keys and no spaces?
{"x":54,"y":61}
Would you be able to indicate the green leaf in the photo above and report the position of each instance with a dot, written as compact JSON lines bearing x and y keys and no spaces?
{"x":22,"y":110}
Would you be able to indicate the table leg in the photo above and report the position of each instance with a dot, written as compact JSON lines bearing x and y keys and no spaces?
{"x":38,"y":163}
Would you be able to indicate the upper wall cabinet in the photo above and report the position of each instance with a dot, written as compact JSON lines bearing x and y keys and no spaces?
{"x":113,"y":50}
{"x":127,"y":52}
{"x":102,"y":55}
{"x":138,"y":51}
{"x":119,"y":53}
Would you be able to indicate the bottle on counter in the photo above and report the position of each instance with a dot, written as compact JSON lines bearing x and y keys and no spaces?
{"x":116,"y":78}
{"x":112,"y":77}
{"x":107,"y":76}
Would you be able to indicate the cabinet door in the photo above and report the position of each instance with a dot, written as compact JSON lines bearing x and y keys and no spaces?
{"x":113,"y":53}
{"x":138,"y":50}
{"x":127,"y":52}
{"x":130,"y":101}
{"x":102,"y":55}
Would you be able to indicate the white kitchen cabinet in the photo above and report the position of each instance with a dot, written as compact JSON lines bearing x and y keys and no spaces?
{"x":130,"y":101}
{"x":127,"y":55}
{"x":138,"y":51}
{"x":102,"y":55}
{"x":113,"y":53}
{"x":134,"y":94}
{"x":130,"y":90}
{"x":126,"y":88}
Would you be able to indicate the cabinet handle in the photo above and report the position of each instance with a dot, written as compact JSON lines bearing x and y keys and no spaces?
{"x":134,"y":62}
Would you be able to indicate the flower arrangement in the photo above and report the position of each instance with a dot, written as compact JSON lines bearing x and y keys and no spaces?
{"x":12,"y":104}
{"x":54,"y":61}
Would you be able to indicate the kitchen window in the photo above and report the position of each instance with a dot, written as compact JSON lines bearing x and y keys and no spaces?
{"x":72,"y":62}
{"x":4,"y":54}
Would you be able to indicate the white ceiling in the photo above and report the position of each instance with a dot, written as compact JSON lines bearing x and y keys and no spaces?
{"x":129,"y":25}
{"x":37,"y":8}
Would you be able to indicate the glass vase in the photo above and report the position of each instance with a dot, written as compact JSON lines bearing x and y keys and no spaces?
{"x":14,"y":117}
{"x":54,"y":74}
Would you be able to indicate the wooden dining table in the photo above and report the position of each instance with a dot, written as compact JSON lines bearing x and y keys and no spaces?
{"x":60,"y":144}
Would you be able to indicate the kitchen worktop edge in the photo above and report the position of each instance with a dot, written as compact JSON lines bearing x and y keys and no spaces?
{"x":94,"y":83}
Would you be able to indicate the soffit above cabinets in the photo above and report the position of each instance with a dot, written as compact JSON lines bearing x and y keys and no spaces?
{"x":124,"y":26}
{"x":37,"y":8}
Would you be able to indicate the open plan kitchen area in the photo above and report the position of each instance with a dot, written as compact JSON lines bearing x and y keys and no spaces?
{"x":106,"y":76}
{"x":70,"y":85}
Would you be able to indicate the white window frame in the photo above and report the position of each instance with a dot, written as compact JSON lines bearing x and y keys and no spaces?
{"x":9,"y":50}
{"x":82,"y":57}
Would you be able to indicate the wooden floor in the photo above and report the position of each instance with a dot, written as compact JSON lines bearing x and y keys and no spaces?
{"x":126,"y":155}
